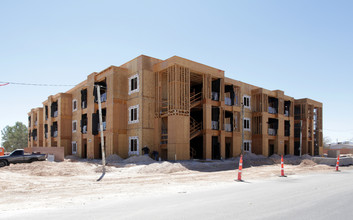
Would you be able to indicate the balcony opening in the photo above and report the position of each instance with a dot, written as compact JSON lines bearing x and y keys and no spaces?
{"x":215,"y":118}
{"x":46,"y":112}
{"x":287,"y":108}
{"x":272,"y":126}
{"x":272,"y":105}
{"x":84,"y":122}
{"x":229,"y":95}
{"x":216,"y":89}
{"x":297,"y":130}
{"x":286,"y":128}
{"x":46,"y":131}
{"x":228,"y":121}
{"x":34,"y":134}
{"x":95,"y":122}
{"x":29,"y":121}
{"x":103,"y":91}
{"x":54,"y":109}
{"x":54,"y":129}
{"x":237,"y":121}
{"x":84,"y":98}
{"x":104,"y":119}
{"x":297,"y":112}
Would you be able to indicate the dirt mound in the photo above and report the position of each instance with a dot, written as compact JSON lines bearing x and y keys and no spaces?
{"x":144,"y":159}
{"x":165,"y":167}
{"x":307,"y":162}
{"x":275,"y":158}
{"x":114,"y":159}
{"x":306,"y":157}
{"x":73,"y":158}
{"x":46,"y":168}
{"x":251,"y":156}
{"x":250,"y":159}
{"x":293,"y":160}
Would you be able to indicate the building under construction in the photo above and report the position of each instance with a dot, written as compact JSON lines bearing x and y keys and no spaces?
{"x":179,"y":108}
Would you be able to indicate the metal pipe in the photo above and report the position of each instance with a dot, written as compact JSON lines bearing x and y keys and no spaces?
{"x":101,"y":126}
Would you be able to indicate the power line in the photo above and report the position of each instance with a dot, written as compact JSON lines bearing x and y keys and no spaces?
{"x":30,"y":84}
{"x":338,"y":130}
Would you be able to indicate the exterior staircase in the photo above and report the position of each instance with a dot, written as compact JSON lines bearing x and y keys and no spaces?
{"x":195,"y":99}
{"x":195,"y":128}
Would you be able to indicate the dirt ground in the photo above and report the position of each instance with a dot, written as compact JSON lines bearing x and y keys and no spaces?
{"x":60,"y":184}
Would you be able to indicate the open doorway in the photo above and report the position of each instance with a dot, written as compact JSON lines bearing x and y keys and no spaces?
{"x":84,"y":148}
{"x":216,"y":152}
{"x":286,"y":147}
{"x":297,"y":148}
{"x":229,"y":149}
{"x":196,"y":147}
{"x":271,"y":148}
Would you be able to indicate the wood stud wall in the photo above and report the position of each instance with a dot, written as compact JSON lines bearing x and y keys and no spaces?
{"x":178,"y":90}
{"x":172,"y":98}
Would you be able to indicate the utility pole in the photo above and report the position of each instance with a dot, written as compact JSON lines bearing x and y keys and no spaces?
{"x":301,"y":144}
{"x":242,"y":129}
{"x":101,"y":126}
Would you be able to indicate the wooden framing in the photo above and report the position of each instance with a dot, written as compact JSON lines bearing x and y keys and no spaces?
{"x":167,"y":105}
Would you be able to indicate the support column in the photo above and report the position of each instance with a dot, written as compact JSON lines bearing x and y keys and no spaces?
{"x":207,"y":146}
{"x":280,"y":136}
{"x":222,"y":141}
{"x":207,"y":126}
{"x":178,"y":137}
{"x":265,"y":135}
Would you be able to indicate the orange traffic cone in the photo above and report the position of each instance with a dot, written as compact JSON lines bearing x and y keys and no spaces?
{"x":240,"y":167}
{"x":282,"y":167}
{"x":338,"y":162}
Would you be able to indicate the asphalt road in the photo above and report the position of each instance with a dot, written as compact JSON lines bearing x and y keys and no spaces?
{"x":319,"y":196}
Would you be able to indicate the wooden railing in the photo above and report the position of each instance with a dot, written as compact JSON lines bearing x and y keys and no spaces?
{"x":195,"y":128}
{"x":194,"y":98}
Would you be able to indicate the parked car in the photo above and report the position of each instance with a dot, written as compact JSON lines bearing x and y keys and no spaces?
{"x":19,"y":156}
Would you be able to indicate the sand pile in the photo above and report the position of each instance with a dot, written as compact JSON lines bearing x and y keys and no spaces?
{"x":307,"y":162}
{"x":251,"y":159}
{"x":275,"y":158}
{"x":306,"y":157}
{"x":46,"y":168}
{"x":293,"y":160}
{"x":165,"y":167}
{"x":72,"y":158}
{"x":113,"y":159}
{"x":143,"y":159}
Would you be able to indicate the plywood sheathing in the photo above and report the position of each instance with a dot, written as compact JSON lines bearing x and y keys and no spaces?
{"x":164,"y":97}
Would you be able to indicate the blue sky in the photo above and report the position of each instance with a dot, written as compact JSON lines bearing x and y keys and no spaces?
{"x":302,"y":47}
